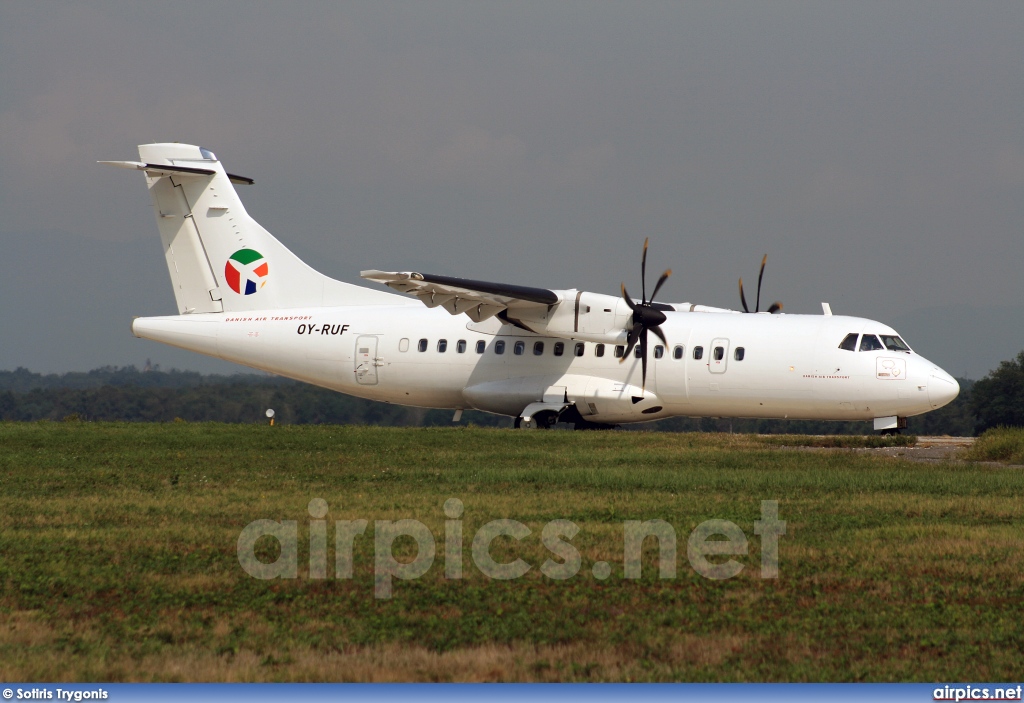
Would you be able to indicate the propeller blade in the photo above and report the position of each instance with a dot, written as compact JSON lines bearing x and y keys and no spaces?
{"x":757,"y":304}
{"x":643,"y":273}
{"x":631,"y":338}
{"x":743,"y":298}
{"x":625,"y":296}
{"x":643,"y":359}
{"x":661,"y":281}
{"x":645,"y":317}
{"x":775,"y":307}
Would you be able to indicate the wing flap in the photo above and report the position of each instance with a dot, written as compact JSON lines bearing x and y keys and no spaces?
{"x":477,"y":299}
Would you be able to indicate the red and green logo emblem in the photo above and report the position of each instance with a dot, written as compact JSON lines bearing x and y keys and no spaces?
{"x":246,"y":271}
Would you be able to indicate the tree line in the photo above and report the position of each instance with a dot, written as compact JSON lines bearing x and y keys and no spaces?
{"x":153,"y":395}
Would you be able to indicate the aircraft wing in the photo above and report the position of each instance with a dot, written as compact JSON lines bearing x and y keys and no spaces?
{"x":477,"y":299}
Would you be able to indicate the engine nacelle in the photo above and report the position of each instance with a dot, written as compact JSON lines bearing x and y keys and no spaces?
{"x":591,"y":317}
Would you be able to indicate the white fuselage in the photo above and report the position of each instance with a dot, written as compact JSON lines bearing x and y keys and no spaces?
{"x":531,"y":353}
{"x":791,"y":366}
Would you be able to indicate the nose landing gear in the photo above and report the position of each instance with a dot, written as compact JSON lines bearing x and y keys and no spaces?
{"x":890,"y":426}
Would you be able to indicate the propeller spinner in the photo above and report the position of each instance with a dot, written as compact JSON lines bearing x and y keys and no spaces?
{"x":645,"y":317}
{"x":773,"y":308}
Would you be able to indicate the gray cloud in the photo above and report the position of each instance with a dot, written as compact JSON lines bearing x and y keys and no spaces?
{"x":873,"y":150}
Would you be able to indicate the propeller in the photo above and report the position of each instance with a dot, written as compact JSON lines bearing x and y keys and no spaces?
{"x":645,"y":318}
{"x":773,"y":308}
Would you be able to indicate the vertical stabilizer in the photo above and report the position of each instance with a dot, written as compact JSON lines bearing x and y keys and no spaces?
{"x":219,"y":258}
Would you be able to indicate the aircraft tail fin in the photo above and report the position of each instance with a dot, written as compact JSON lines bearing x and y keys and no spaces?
{"x":219,"y":258}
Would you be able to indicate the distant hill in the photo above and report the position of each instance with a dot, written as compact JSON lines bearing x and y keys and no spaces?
{"x":22,"y":380}
{"x":133,"y":395}
{"x":129,"y":394}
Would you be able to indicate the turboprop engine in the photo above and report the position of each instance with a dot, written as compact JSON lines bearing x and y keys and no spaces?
{"x":589,"y":317}
{"x":595,"y":317}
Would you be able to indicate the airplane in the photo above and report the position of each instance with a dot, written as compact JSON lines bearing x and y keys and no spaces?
{"x":538,"y":355}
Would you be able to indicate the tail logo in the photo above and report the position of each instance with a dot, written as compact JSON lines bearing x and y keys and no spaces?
{"x":246,"y":271}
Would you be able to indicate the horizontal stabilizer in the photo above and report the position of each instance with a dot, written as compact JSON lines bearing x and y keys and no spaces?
{"x":168,"y":170}
{"x":219,"y":258}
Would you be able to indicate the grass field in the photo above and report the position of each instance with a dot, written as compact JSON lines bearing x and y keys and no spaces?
{"x":1000,"y":444}
{"x":118,"y":558}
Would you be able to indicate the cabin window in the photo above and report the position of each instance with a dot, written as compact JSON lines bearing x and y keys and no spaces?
{"x":849,"y":342}
{"x":518,"y":348}
{"x":538,"y":348}
{"x":869,"y":342}
{"x":480,"y":346}
{"x":677,"y":353}
{"x":579,"y":348}
{"x":894,"y":343}
{"x":460,"y":346}
{"x":499,"y":346}
{"x":739,"y":353}
{"x":638,"y":351}
{"x":719,"y":353}
{"x":403,"y":344}
{"x":659,"y":351}
{"x":421,"y":345}
{"x":698,"y":353}
{"x":442,"y":346}
{"x":598,"y":350}
{"x":559,"y":348}
{"x":619,"y":351}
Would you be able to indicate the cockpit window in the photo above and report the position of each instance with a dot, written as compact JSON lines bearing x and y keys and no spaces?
{"x":869,"y":342}
{"x":849,"y":342}
{"x":207,"y":154}
{"x":894,"y":343}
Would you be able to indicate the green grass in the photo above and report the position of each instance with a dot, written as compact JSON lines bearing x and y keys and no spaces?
{"x":1000,"y":444}
{"x":118,"y":558}
{"x":839,"y":441}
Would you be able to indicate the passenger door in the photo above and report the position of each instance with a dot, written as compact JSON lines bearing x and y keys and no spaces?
{"x":718,"y":355}
{"x":366,"y":360}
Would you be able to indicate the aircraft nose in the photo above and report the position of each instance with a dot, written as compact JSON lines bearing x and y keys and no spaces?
{"x":942,"y":388}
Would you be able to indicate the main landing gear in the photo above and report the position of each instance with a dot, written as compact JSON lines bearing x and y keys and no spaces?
{"x":540,"y":421}
{"x":546,"y":419}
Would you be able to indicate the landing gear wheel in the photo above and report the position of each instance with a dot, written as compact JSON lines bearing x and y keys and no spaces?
{"x":891,"y":433}
{"x":541,"y":421}
{"x":545,"y":420}
{"x":572,"y":415}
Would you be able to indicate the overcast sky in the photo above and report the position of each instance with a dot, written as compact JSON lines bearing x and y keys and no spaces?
{"x":874,"y":151}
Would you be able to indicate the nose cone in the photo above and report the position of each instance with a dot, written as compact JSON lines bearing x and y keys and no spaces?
{"x":942,"y":388}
